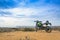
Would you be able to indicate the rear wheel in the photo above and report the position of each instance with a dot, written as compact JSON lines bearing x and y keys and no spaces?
{"x":48,"y":29}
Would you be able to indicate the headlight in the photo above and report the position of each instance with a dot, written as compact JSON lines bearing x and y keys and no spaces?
{"x":48,"y":25}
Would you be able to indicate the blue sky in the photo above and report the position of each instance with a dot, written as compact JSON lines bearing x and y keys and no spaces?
{"x":25,"y":12}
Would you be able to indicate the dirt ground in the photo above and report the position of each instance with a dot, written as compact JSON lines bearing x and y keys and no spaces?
{"x":40,"y":35}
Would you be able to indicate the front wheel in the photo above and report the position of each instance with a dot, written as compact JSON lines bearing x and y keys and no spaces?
{"x":48,"y":29}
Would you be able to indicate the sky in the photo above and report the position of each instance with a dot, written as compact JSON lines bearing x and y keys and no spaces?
{"x":24,"y":12}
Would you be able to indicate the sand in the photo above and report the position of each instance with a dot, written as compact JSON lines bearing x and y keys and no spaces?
{"x":32,"y":35}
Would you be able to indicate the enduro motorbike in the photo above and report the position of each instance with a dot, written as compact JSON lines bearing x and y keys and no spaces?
{"x":47,"y":28}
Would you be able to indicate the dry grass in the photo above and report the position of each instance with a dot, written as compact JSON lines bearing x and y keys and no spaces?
{"x":21,"y":35}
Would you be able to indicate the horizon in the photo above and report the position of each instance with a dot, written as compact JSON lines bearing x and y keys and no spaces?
{"x":24,"y":12}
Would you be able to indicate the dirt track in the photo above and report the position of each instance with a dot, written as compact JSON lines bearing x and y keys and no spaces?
{"x":19,"y":35}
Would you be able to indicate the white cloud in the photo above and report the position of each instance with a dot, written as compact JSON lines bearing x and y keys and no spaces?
{"x":20,"y":11}
{"x":26,"y":11}
{"x":13,"y":22}
{"x":42,"y":13}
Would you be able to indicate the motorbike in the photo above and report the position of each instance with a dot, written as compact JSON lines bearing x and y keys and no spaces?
{"x":47,"y":28}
